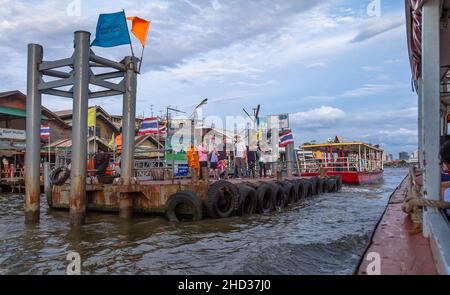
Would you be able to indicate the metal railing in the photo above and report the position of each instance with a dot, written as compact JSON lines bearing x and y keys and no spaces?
{"x":339,"y":164}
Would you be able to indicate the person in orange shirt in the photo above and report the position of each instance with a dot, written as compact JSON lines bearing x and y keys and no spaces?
{"x":119,"y":142}
{"x":193,"y":162}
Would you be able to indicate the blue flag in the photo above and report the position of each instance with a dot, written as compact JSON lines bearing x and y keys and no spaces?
{"x":112,"y":30}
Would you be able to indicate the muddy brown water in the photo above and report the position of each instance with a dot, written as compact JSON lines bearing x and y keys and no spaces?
{"x":326,"y":234}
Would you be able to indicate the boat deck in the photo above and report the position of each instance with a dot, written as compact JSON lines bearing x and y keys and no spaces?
{"x":402,"y":251}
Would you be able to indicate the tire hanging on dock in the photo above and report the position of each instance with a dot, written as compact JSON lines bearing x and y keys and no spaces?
{"x":314,"y":185}
{"x":325,"y":186}
{"x":265,"y":199}
{"x":290,"y":193}
{"x":59,"y":175}
{"x":331,"y":185}
{"x":319,"y":186}
{"x":184,"y":205}
{"x":222,"y":199}
{"x":305,"y":189}
{"x":278,"y":197}
{"x":247,"y":200}
{"x":296,"y":184}
{"x":338,"y":183}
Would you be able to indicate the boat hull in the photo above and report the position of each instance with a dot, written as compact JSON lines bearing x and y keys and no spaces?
{"x":353,"y":177}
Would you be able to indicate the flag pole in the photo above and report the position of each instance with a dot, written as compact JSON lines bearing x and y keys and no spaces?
{"x":49,"y":161}
{"x":142,"y":57}
{"x":128,"y":30}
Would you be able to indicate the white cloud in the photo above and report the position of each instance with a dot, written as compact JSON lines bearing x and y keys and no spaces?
{"x":317,"y":118}
{"x":318,"y":97}
{"x":317,"y":64}
{"x":370,"y":89}
{"x":372,"y":68}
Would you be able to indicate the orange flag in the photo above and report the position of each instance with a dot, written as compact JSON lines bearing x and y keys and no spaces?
{"x":139,"y":28}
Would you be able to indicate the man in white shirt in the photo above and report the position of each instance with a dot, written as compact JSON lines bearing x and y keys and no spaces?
{"x":239,"y":157}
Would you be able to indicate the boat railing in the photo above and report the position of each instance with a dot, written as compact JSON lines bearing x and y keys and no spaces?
{"x":340,"y":164}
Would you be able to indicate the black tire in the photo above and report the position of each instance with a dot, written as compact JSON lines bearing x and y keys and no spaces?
{"x":309,"y":189}
{"x":290,"y":193}
{"x":265,"y":199}
{"x":247,"y":200}
{"x":304,"y":189}
{"x":325,"y":186}
{"x":184,"y":205}
{"x":319,"y":186}
{"x":59,"y":175}
{"x":338,"y":183}
{"x":222,"y":199}
{"x":298,"y":190}
{"x":314,"y":182}
{"x":331,"y":183}
{"x":278,"y":197}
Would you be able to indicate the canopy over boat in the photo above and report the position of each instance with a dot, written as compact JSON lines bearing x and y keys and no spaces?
{"x":342,"y":146}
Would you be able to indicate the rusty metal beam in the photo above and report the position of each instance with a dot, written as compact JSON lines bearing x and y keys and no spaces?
{"x":128,"y":133}
{"x":79,"y":129}
{"x":33,"y":125}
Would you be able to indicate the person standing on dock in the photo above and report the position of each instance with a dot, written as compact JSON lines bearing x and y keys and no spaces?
{"x":240,"y":156}
{"x":213,"y":162}
{"x":193,"y":162}
{"x":119,"y":142}
{"x":203,"y":158}
{"x":261,"y":161}
{"x":251,"y":159}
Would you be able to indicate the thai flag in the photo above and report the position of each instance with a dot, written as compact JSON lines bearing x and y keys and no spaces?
{"x":162,"y":129}
{"x":286,"y":138}
{"x":149,"y":126}
{"x":45,"y":131}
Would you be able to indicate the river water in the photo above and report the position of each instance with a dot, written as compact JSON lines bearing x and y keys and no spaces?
{"x":326,"y":234}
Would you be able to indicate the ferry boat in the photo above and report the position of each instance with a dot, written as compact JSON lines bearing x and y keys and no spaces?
{"x":356,"y":162}
{"x":416,"y":223}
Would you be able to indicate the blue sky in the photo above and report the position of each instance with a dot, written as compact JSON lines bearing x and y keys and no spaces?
{"x":333,"y":67}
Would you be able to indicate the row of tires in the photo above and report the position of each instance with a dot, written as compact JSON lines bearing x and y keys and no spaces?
{"x":225,"y":199}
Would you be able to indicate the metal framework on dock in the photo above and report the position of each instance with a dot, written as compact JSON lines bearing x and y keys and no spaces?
{"x":80,"y":76}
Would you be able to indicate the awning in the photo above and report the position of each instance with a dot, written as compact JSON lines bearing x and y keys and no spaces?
{"x":15,"y":112}
{"x":414,"y":34}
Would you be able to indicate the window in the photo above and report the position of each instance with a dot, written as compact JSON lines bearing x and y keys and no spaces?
{"x":97,"y":131}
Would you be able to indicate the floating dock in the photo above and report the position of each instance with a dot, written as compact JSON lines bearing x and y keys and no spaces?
{"x":188,"y":200}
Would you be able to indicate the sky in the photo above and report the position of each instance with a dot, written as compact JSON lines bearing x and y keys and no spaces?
{"x":336,"y":67}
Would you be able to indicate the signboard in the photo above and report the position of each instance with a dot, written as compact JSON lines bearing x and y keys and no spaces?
{"x":278,"y":121}
{"x":178,"y":140}
{"x":12,"y":134}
